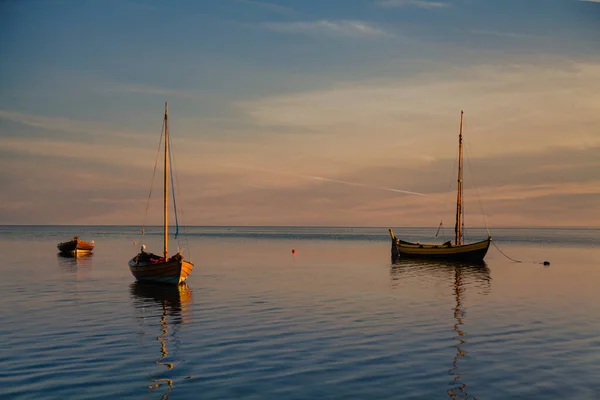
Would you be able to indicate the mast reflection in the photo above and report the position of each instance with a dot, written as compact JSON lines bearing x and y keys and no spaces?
{"x":170,"y":307}
{"x":464,"y":276}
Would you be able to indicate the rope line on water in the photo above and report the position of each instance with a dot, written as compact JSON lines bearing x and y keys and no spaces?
{"x":501,"y":252}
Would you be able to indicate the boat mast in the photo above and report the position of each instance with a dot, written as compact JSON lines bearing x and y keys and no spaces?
{"x":458,"y":226}
{"x":166,"y":184}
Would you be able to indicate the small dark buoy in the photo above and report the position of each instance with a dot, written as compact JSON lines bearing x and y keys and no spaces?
{"x":293,"y":251}
{"x":546,"y":262}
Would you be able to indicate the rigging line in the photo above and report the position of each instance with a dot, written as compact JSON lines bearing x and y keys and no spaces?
{"x":448,"y":193}
{"x":181,"y":209}
{"x":501,"y":252}
{"x":162,"y":130}
{"x":173,"y":190}
{"x":438,"y":229}
{"x":175,"y":176}
{"x":471,"y":175}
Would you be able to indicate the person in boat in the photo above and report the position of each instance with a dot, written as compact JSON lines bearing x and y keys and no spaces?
{"x":147,"y":257}
{"x":143,"y":256}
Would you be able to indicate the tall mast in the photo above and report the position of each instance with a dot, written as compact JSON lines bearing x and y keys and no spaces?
{"x":166,"y":184}
{"x":458,"y":226}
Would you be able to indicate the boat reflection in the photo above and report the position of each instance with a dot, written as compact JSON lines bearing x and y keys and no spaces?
{"x":79,"y":264}
{"x":160,"y":308}
{"x":476,"y":274}
{"x":463,"y":276}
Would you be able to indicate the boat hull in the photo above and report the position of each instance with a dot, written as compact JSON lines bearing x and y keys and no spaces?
{"x":76,"y":247}
{"x":172,"y":272}
{"x":472,"y":252}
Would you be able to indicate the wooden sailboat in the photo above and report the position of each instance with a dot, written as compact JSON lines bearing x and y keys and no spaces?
{"x":457,"y":251}
{"x":154,"y":268}
{"x":75,"y":247}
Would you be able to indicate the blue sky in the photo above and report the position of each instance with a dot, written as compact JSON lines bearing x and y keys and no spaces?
{"x":301,"y":112}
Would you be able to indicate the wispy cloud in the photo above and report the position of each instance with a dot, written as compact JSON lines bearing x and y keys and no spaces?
{"x":591,"y":1}
{"x":91,"y":152}
{"x":512,"y":35}
{"x":509,"y":103}
{"x":66,"y":125}
{"x":428,"y":5}
{"x":344,"y":28}
{"x":324,"y":179}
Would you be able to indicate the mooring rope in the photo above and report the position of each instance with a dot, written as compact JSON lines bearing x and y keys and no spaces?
{"x":546,"y":263}
{"x":501,"y":252}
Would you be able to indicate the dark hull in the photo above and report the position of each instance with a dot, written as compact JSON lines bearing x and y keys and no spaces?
{"x":473,"y":252}
{"x":467,"y":256}
{"x":75,"y":246}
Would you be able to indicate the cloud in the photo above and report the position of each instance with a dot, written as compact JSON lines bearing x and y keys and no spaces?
{"x":68,"y":125}
{"x":343,"y":28}
{"x":509,"y":108}
{"x":57,"y":191}
{"x":74,"y":150}
{"x":428,"y":5}
{"x":313,"y":202}
{"x":321,"y":179}
{"x":512,"y":35}
{"x":342,"y":154}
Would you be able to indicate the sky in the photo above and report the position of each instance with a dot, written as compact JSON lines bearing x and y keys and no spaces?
{"x":301,"y":112}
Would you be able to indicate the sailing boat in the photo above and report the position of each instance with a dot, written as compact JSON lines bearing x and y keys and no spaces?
{"x":154,"y":268}
{"x":457,"y":251}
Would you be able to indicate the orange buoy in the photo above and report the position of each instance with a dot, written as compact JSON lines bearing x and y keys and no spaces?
{"x":293,"y":251}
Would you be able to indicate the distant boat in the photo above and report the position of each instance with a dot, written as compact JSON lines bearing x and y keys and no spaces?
{"x":457,"y":251}
{"x":75,"y":247}
{"x":150,"y":267}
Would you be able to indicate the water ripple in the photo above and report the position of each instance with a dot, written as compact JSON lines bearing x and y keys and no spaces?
{"x":336,"y":320}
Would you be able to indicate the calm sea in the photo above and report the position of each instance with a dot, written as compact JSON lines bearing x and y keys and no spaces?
{"x":334,"y":321}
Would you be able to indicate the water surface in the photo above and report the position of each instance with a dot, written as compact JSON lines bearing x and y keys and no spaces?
{"x":336,"y":320}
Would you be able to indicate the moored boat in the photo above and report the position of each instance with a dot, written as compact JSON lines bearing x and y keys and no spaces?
{"x":448,"y":251}
{"x":149,"y":267}
{"x":76,"y":246}
{"x":153,"y":268}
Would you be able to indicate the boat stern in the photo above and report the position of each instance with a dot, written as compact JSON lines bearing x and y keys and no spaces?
{"x":395,"y":254}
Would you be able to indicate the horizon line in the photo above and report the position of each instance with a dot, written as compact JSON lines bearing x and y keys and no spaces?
{"x":306,"y":226}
